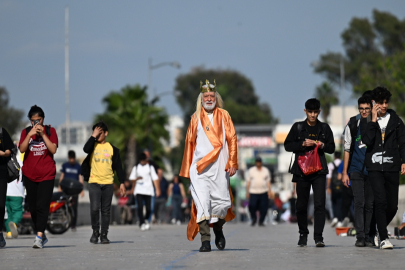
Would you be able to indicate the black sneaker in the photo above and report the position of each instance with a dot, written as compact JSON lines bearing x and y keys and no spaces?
{"x":302,"y":242}
{"x":94,"y":237}
{"x":205,"y":246}
{"x":219,"y":239}
{"x":253,"y":222}
{"x":2,"y":241}
{"x":360,"y":242}
{"x":369,"y":241}
{"x":319,"y":243}
{"x":103,"y":238}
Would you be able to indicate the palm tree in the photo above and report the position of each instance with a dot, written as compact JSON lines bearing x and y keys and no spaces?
{"x":134,"y":122}
{"x":328,"y":97}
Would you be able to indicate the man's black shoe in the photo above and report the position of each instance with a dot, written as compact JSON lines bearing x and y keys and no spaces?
{"x":261,"y":224}
{"x":360,"y":242}
{"x":302,"y":242}
{"x":319,"y":243}
{"x":205,"y":246}
{"x":219,"y":239}
{"x":103,"y":238}
{"x":369,"y":242}
{"x":253,"y":222}
{"x":94,"y":237}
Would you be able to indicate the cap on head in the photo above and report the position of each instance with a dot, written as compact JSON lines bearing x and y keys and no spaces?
{"x":207,"y":87}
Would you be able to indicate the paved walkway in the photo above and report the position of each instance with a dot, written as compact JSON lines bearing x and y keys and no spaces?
{"x":166,"y":247}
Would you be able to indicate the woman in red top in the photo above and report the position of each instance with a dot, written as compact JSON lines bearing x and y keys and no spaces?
{"x":39,"y":144}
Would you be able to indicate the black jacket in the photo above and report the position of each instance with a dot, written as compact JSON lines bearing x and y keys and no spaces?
{"x":387,"y":156}
{"x":295,"y":138}
{"x":116,"y":161}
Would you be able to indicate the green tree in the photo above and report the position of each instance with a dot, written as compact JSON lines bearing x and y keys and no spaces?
{"x":327,"y":96}
{"x":134,"y":123}
{"x":11,"y":118}
{"x":365,"y":44}
{"x":236,"y":90}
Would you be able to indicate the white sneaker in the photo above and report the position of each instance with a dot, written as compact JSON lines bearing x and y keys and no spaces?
{"x":346,"y":221}
{"x":334,"y":222}
{"x":377,"y":240}
{"x":143,"y":227}
{"x":147,"y":226}
{"x":386,"y":244}
{"x":339,"y":225}
{"x":173,"y":221}
{"x":37,"y":243}
{"x":178,"y":222}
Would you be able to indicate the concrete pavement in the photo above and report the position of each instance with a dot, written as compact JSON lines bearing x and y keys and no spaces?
{"x":166,"y":247}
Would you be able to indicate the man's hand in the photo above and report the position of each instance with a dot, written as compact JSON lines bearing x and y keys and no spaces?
{"x":247,"y":195}
{"x":96,"y":132}
{"x":157,"y":193}
{"x":82,"y":194}
{"x":400,"y":227}
{"x":231,"y":171}
{"x":328,"y":190}
{"x":308,"y":143}
{"x":122,"y":190}
{"x":374,"y":112}
{"x":403,"y":169}
{"x":270,"y":195}
{"x":346,"y":180}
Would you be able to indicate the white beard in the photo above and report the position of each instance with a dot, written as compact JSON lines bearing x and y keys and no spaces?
{"x":209,"y":107}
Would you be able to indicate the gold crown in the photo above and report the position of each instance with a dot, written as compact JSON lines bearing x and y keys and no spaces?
{"x":207,"y":87}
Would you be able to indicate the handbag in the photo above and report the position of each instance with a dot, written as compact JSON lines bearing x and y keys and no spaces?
{"x":13,"y":167}
{"x":310,"y":163}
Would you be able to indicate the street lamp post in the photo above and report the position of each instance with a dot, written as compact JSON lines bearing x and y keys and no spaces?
{"x":341,"y":67}
{"x":151,"y":67}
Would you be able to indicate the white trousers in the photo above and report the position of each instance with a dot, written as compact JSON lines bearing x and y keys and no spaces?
{"x":211,"y":196}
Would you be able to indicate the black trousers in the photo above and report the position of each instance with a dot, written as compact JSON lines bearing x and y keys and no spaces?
{"x":142,"y":200}
{"x":3,"y":193}
{"x":385,"y":189}
{"x":303,"y":189}
{"x":258,"y":202}
{"x":347,"y":199}
{"x":75,"y":202}
{"x":363,"y":203}
{"x":100,"y":201}
{"x":39,"y":196}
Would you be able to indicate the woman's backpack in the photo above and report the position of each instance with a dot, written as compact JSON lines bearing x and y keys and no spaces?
{"x":13,"y":167}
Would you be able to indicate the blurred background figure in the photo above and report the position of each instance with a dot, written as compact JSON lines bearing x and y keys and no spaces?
{"x":176,"y":195}
{"x":160,"y":202}
{"x":72,"y":170}
{"x":125,"y":203}
{"x":153,"y":198}
{"x":334,"y":188}
{"x":14,"y":204}
{"x":258,"y":191}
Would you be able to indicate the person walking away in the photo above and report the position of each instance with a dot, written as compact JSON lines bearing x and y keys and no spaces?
{"x":178,"y":195}
{"x":353,"y":164}
{"x":160,"y":202}
{"x":6,"y":146}
{"x":14,"y":204}
{"x":98,"y":169}
{"x":303,"y":137}
{"x":72,"y":170}
{"x":144,"y":183}
{"x":153,"y":198}
{"x":210,"y":158}
{"x":384,"y":136}
{"x":333,"y":190}
{"x":39,"y":143}
{"x":258,"y":191}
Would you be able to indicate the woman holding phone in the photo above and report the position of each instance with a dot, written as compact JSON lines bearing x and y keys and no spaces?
{"x":6,"y":145}
{"x":39,"y":143}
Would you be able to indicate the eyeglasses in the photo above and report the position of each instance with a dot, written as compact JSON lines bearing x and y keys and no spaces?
{"x":364,"y":109}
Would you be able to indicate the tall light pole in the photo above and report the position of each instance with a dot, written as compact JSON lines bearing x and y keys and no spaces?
{"x":67,"y":76}
{"x":151,"y":67}
{"x":341,"y":67}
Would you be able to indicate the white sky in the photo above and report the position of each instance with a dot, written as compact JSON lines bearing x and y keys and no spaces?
{"x":271,"y":42}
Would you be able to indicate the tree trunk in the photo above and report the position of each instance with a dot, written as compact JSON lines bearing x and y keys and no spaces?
{"x":130,"y":156}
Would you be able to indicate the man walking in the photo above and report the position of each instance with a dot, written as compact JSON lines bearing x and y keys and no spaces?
{"x":384,"y":136}
{"x":72,"y":170}
{"x":210,"y":158}
{"x":353,"y":164}
{"x":303,"y":137}
{"x":258,"y":191}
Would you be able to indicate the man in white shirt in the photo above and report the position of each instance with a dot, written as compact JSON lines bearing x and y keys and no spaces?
{"x":258,"y":191}
{"x":333,"y":201}
{"x":144,"y":183}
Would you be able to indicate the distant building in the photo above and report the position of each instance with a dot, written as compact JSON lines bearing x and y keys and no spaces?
{"x":79,"y":132}
{"x":174,"y":127}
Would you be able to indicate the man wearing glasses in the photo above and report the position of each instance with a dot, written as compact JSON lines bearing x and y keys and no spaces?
{"x":355,"y":174}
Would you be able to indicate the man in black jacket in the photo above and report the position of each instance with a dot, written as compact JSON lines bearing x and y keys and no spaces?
{"x":98,"y":169}
{"x":384,"y":136}
{"x":303,"y":137}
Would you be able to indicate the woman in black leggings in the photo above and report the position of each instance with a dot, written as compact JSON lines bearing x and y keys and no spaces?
{"x":6,"y":144}
{"x":39,"y":143}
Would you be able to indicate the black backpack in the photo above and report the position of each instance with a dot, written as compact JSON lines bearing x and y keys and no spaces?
{"x":13,"y":167}
{"x":336,"y":184}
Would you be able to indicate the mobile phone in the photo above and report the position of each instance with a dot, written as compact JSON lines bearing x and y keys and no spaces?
{"x":35,"y":122}
{"x":374,"y":103}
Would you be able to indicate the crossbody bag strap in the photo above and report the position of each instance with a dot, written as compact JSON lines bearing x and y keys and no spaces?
{"x":299,"y":127}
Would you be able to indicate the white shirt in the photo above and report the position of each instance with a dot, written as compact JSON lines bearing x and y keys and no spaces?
{"x":331,"y":167}
{"x":144,"y":186}
{"x":383,"y":122}
{"x":258,"y":180}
